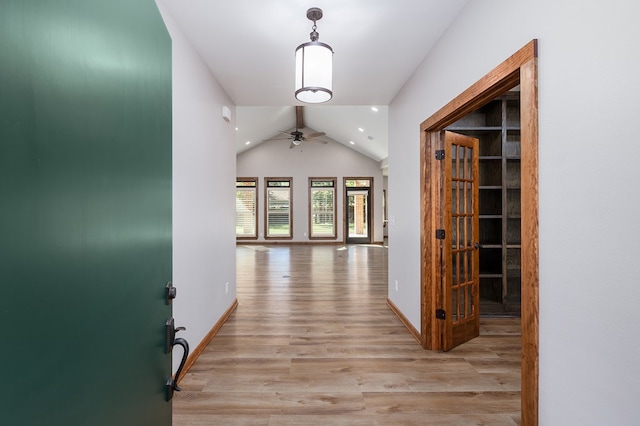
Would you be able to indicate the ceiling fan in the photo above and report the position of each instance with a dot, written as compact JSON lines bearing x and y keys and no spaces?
{"x":298,"y":136}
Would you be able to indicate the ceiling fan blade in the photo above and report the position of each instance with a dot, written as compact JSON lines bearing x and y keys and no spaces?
{"x":299,"y":120}
{"x":284,"y":133}
{"x":278,"y":139}
{"x":314,"y":135}
{"x":293,"y":145}
{"x":322,"y":141}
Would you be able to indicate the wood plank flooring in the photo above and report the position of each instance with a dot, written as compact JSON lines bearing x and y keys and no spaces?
{"x":313,"y":343}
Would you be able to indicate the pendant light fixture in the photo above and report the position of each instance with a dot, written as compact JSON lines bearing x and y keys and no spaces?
{"x":314,"y":63}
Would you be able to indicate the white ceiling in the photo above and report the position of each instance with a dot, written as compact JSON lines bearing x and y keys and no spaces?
{"x":249,"y":46}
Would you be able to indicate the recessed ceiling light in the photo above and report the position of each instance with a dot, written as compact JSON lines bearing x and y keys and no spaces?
{"x":374,"y":109}
{"x":352,"y":142}
{"x":247,"y":142}
{"x":236,"y":129}
{"x":361,"y":129}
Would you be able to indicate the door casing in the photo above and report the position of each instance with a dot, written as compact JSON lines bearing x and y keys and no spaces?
{"x":369,"y":209}
{"x":520,"y":68}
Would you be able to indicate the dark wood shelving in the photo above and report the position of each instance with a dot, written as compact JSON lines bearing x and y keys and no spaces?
{"x":475,"y":129}
{"x":497,"y":126}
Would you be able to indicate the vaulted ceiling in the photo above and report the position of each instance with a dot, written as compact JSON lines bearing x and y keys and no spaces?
{"x":249,"y":46}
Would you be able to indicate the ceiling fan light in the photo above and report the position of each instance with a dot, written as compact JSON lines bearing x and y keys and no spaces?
{"x":296,"y":142}
{"x":314,"y":67}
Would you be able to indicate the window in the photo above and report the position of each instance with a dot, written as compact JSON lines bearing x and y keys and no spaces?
{"x":246,"y":207}
{"x":357,"y":182}
{"x":278,"y":212}
{"x":322,"y":208}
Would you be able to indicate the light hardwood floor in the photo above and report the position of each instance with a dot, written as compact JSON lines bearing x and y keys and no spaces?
{"x":313,"y":342}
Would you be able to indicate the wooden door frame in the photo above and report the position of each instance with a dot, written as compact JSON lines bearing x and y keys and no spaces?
{"x":370,"y":215}
{"x":520,"y":68}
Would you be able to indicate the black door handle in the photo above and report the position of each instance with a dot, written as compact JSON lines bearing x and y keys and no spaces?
{"x":172,"y":383}
{"x":171,"y":341}
{"x":170,"y":293}
{"x":170,"y":334}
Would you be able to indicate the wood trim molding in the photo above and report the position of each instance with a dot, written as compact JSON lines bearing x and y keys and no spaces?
{"x":430,"y":271}
{"x":502,"y":78}
{"x":414,"y":331}
{"x":520,"y":68}
{"x":197,"y":351}
{"x":530,"y":229}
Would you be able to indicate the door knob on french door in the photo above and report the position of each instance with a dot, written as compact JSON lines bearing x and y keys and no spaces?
{"x":477,"y":246}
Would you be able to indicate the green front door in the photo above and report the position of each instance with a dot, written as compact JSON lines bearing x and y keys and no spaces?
{"x":85,"y":212}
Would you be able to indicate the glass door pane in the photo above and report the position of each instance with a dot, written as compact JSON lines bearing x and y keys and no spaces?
{"x":358,"y":230}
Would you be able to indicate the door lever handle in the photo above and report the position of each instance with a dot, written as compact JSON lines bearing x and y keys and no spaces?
{"x":170,"y":334}
{"x":172,"y":382}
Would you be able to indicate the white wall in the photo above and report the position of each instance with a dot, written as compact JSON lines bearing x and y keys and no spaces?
{"x":589,"y":108}
{"x":311,"y":159}
{"x":203,"y":194}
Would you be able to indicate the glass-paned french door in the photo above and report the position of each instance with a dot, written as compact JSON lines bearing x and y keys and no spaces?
{"x":459,"y":247}
{"x":358,"y":210}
